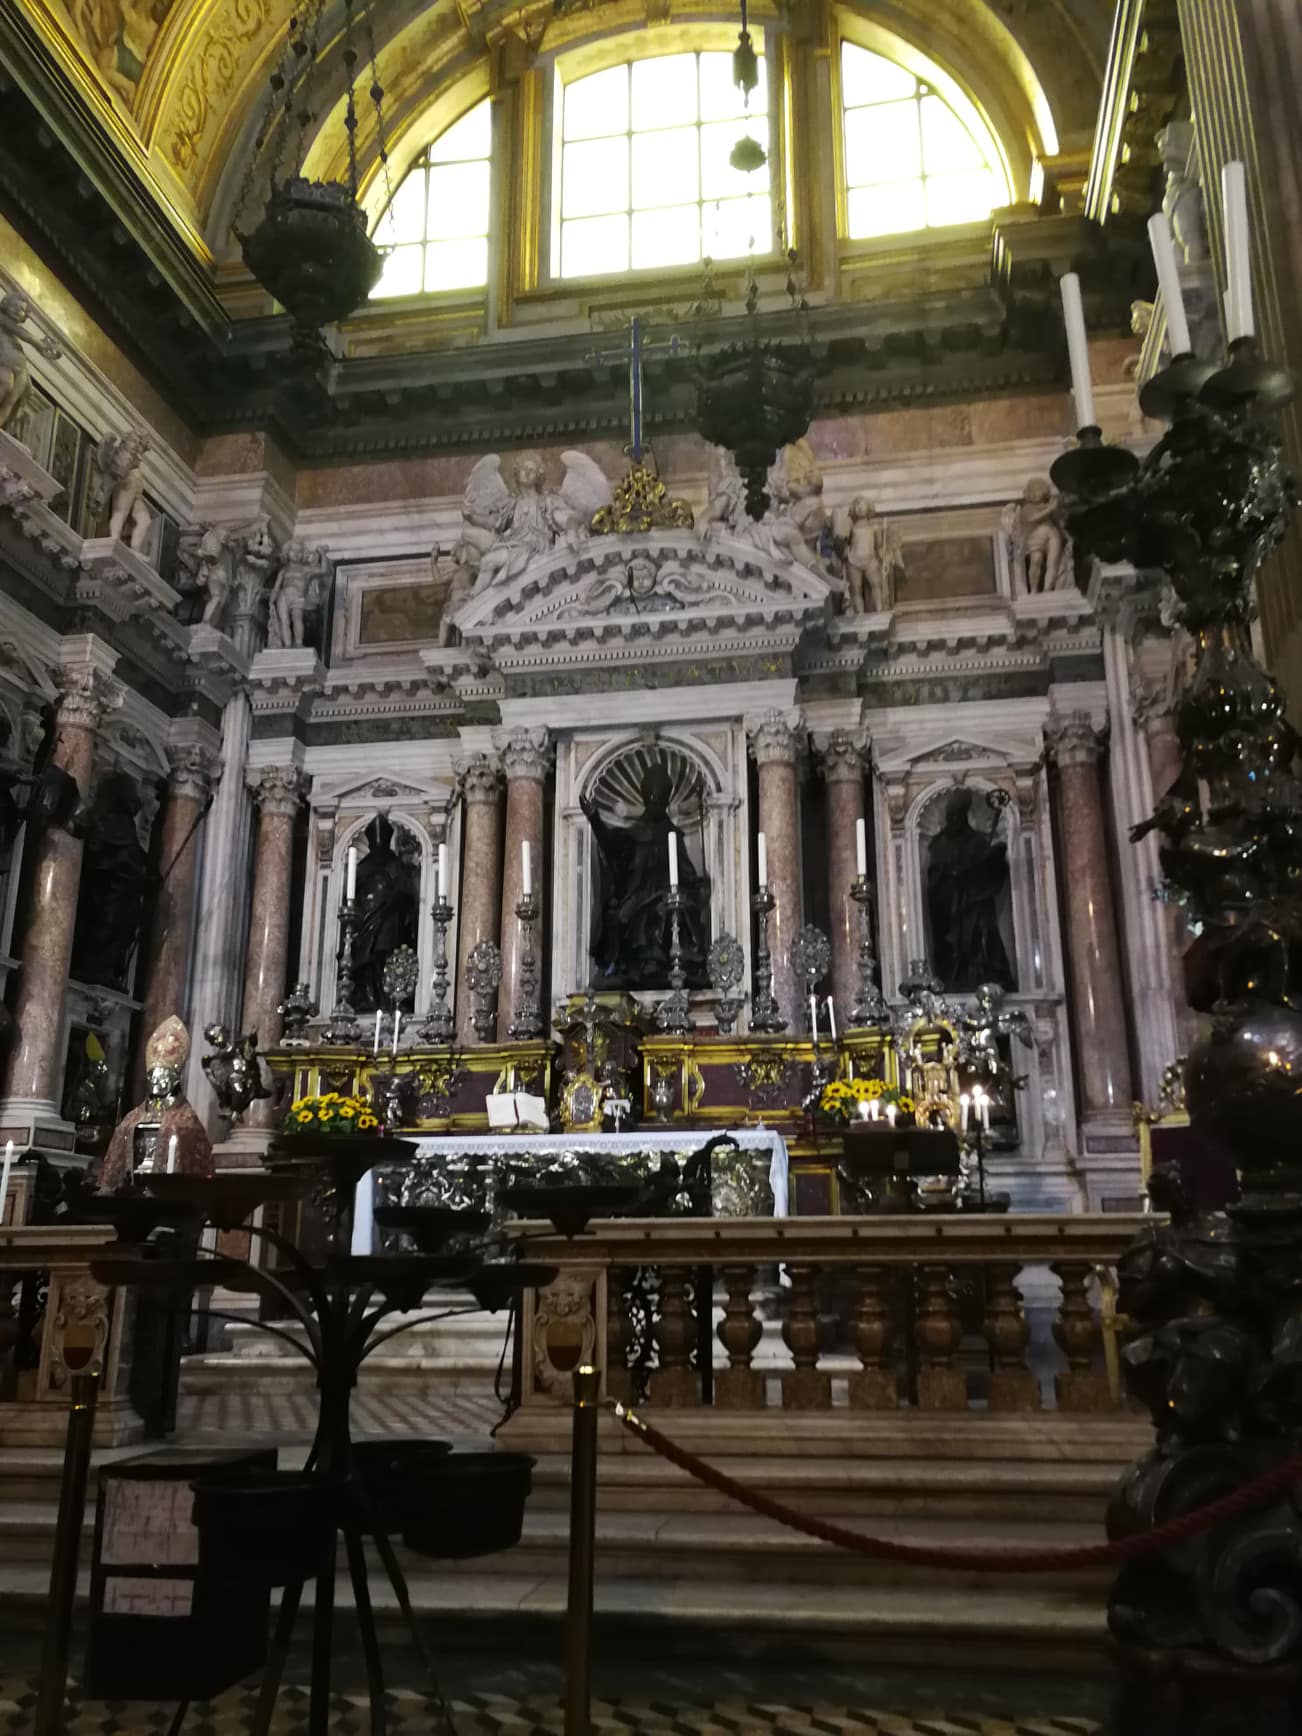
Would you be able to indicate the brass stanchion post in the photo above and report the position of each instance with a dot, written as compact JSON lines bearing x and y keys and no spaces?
{"x":57,"y":1644}
{"x":583,"y":1520}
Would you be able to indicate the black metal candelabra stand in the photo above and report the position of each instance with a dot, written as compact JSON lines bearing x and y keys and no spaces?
{"x":1212,"y":1299}
{"x":869,"y":1007}
{"x":343,"y":1027}
{"x":527,"y":1022}
{"x":765,"y":1015}
{"x":674,"y":1013}
{"x":439,"y":1025}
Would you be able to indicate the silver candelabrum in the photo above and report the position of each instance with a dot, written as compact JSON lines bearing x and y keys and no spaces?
{"x":527,"y":1022}
{"x":765,"y":1014}
{"x":484,"y":974}
{"x":439,"y":1025}
{"x":869,"y":1007}
{"x":674,"y":1014}
{"x":342,"y":1026}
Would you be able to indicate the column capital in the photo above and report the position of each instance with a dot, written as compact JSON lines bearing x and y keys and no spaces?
{"x":776,"y":737}
{"x":1074,"y":739}
{"x":1155,"y":690}
{"x":87,"y":693}
{"x":842,"y":754}
{"x":193,"y":770}
{"x":277,"y":790}
{"x":479,"y":780}
{"x":525,"y":753}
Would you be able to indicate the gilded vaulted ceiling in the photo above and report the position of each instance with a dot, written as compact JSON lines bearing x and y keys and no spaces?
{"x":179,"y":85}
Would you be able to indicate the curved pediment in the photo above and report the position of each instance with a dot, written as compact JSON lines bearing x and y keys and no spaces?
{"x":670,"y":587}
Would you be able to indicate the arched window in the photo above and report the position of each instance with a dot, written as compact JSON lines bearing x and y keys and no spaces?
{"x":911,"y":161}
{"x":645,"y":173}
{"x":437,"y":221}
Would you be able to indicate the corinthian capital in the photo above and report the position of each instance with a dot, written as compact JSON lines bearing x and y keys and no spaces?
{"x":843,"y":755}
{"x":193,"y":771}
{"x":1073,"y":740}
{"x":776,"y":737}
{"x":87,"y":691}
{"x":480,"y":780}
{"x":277,"y":790}
{"x":525,"y":753}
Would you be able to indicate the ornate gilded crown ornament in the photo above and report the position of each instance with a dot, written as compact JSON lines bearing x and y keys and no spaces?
{"x":641,"y":502}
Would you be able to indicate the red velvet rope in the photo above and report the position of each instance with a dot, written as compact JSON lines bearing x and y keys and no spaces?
{"x":1254,"y":1494}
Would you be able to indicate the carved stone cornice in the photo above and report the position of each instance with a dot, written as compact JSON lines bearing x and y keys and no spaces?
{"x":480,"y":781}
{"x":193,"y":771}
{"x":842,"y":754}
{"x":525,"y":753}
{"x":776,"y":738}
{"x":1074,"y":740}
{"x":278,"y":790}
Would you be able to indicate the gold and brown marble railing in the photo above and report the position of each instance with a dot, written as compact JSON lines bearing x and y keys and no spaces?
{"x":930,"y":1310}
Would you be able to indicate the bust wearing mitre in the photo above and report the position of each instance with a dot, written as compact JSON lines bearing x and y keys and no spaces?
{"x":142,"y":1139}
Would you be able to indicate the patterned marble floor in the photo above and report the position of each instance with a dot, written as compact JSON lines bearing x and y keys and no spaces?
{"x":210,"y":1419}
{"x":411,"y":1714}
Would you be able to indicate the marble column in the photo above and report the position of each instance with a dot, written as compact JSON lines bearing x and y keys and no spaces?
{"x":1155,"y":714}
{"x":776,"y":740}
{"x":479,"y":898}
{"x":194,"y":769}
{"x":843,"y":776}
{"x":277,"y":791}
{"x":87,"y":692}
{"x":525,"y":755}
{"x":1097,"y":1001}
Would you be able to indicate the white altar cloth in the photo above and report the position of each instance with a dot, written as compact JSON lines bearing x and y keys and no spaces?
{"x":681,"y":1143}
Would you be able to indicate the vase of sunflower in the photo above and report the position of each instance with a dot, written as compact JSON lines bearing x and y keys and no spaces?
{"x":868,"y":1100}
{"x":323,"y":1125}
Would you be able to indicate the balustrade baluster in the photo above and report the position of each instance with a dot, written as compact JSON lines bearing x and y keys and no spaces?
{"x":619,"y":1378}
{"x":1012,"y":1385}
{"x":873,"y":1387}
{"x":1084,"y":1386}
{"x":739,"y":1386}
{"x":674,"y":1382}
{"x":937,"y":1334}
{"x":803,"y":1387}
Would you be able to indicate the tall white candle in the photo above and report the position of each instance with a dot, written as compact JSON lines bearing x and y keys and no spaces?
{"x":964,"y":1104}
{"x":891,"y":1112}
{"x":352,"y":874}
{"x":379,"y":1026}
{"x":813,"y":1018}
{"x":171,"y":1155}
{"x":831,"y":1017}
{"x":673,"y":859}
{"x":443,"y":872}
{"x":526,"y":868}
{"x":1238,"y":253}
{"x":763,"y":859}
{"x":1078,"y":350}
{"x":1168,"y":281}
{"x":397,"y":1027}
{"x":861,"y":848}
{"x":4,"y":1176}
{"x":874,"y":1109}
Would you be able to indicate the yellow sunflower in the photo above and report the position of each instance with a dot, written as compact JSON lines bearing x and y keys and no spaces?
{"x":305,"y":1115}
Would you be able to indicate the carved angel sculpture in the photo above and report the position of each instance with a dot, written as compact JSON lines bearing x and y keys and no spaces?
{"x":298,"y":593}
{"x":205,"y":559}
{"x":725,"y":509}
{"x":15,"y":375}
{"x":512,"y":526}
{"x":1037,"y":541}
{"x":458,"y":570}
{"x":871,"y":555}
{"x":121,"y":486}
{"x":794,"y":524}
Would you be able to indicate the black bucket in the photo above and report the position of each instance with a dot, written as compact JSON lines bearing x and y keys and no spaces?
{"x":395,"y":1475}
{"x":269,"y":1527}
{"x":473,"y":1504}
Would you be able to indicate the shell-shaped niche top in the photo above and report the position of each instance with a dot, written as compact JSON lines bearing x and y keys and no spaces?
{"x":618,"y":790}
{"x":169,"y":1046}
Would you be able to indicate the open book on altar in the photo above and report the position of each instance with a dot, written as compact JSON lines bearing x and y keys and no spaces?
{"x":517,"y":1111}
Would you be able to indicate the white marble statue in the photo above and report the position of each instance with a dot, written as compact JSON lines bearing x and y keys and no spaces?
{"x":725,"y":503}
{"x":15,"y":375}
{"x":120,"y":489}
{"x":458,"y":571}
{"x":205,"y":559}
{"x":796,"y":516}
{"x":1038,"y":544}
{"x":298,"y":594}
{"x":872,"y":557}
{"x":511,"y":526}
{"x":1182,"y":197}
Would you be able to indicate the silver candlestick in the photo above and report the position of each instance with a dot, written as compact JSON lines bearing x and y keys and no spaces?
{"x":869,"y":1007}
{"x":765,"y":1014}
{"x":343,"y":1027}
{"x":674,"y":1014}
{"x":439,"y":1026}
{"x":527,"y":1022}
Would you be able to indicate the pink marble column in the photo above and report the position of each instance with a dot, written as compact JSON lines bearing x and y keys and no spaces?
{"x":277,"y":790}
{"x":479,"y":914}
{"x":525,"y":755}
{"x":776,"y":740}
{"x":843,"y":776}
{"x":87,"y":693}
{"x":189,"y":790}
{"x":1097,"y":1002}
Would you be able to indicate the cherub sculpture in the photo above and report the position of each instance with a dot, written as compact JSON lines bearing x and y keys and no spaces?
{"x":871,"y":556}
{"x":458,"y":570}
{"x":206,"y":566}
{"x":297,"y":594}
{"x":15,"y":375}
{"x":512,"y":526}
{"x":121,"y":488}
{"x":1037,"y":541}
{"x":725,"y":508}
{"x":794,"y":525}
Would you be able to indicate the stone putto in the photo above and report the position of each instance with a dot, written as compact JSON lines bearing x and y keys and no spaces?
{"x":298,"y":595}
{"x":15,"y":375}
{"x":121,"y":487}
{"x":1037,"y":541}
{"x":871,"y":555}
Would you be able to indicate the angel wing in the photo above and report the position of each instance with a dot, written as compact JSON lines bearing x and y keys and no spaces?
{"x":585,"y":488}
{"x":486,"y":493}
